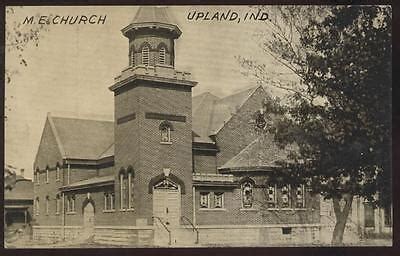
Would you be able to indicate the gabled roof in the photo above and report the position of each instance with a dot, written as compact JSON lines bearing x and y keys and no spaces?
{"x":260,"y":154}
{"x":211,"y":113}
{"x":82,"y":138}
{"x":23,"y":190}
{"x":86,"y":139}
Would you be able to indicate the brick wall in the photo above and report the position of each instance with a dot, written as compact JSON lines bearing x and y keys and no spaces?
{"x":205,"y":163}
{"x":48,"y":151}
{"x":137,"y":142}
{"x":238,"y":132}
{"x":234,"y":214}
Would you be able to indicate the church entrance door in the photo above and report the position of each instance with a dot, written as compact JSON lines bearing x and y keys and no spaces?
{"x":167,"y":202}
{"x":88,"y":220}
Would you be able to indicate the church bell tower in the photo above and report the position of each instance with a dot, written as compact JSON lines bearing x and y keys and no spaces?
{"x":153,"y":124}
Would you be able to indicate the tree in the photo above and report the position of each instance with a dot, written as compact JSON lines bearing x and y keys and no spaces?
{"x":19,"y":36}
{"x":10,"y":177}
{"x":338,"y":112}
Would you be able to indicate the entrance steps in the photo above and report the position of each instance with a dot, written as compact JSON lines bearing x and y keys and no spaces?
{"x":180,"y":236}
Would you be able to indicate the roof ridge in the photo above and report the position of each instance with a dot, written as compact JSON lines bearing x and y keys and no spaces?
{"x":254,"y":89}
{"x":55,"y":132}
{"x":82,"y":118}
{"x":106,"y":149}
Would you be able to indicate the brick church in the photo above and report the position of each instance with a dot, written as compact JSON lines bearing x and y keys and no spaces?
{"x":171,"y":169}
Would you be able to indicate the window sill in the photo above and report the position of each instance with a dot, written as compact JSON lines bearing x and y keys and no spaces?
{"x":212,"y":209}
{"x":127,"y":210}
{"x":248,"y":209}
{"x":165,"y":143}
{"x":108,"y":211}
{"x":57,"y":213}
{"x":287,"y":209}
{"x":70,"y":213}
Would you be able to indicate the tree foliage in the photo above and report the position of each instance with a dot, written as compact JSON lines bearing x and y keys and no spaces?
{"x":19,"y":37}
{"x":339,"y":110}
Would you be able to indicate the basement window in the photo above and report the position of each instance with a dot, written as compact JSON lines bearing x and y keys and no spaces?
{"x":286,"y":231}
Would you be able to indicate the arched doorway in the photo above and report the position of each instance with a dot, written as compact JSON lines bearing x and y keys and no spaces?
{"x":167,"y":202}
{"x":88,"y":220}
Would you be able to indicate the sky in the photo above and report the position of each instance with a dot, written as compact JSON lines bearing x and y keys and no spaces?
{"x":69,"y":73}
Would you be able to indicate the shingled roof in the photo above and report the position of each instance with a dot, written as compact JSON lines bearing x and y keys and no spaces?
{"x":82,"y":138}
{"x":262,"y":153}
{"x":94,"y":139}
{"x":210,"y":113}
{"x":23,"y":190}
{"x":153,"y":14}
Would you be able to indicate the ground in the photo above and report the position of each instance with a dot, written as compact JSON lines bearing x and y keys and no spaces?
{"x":24,"y":241}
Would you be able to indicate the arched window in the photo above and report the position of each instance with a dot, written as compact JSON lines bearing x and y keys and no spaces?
{"x":130,"y":188}
{"x":47,"y":205}
{"x":132,"y":57}
{"x":300,"y":199}
{"x":247,"y":194}
{"x":161,"y":55}
{"x":271,"y":194}
{"x":122,"y":189}
{"x":57,"y":172}
{"x":285,"y":196}
{"x":165,"y":129}
{"x":37,"y":207}
{"x":37,"y":176}
{"x":145,"y":55}
{"x":58,"y":202}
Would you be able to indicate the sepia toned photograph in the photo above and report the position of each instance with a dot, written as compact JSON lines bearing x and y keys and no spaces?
{"x":198,"y":126}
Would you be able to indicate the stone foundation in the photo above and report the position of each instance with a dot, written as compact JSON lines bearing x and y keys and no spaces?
{"x":112,"y":235}
{"x":260,"y":235}
{"x":209,"y":235}
{"x":54,"y":234}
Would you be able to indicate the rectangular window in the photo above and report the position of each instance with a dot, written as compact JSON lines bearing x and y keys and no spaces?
{"x":286,"y":231}
{"x":369,"y":215}
{"x":204,"y":200}
{"x":218,"y":200}
{"x":109,"y":201}
{"x":38,"y":177}
{"x":47,"y":175}
{"x":388,"y":216}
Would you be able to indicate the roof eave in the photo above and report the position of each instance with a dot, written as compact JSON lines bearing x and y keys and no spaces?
{"x":130,"y":30}
{"x":86,"y":186}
